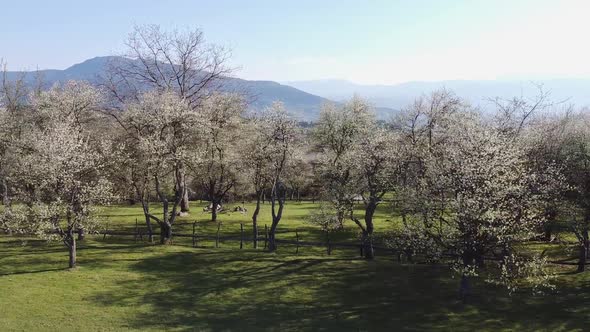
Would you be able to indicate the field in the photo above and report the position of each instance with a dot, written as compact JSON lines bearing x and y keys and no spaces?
{"x":121,"y":284}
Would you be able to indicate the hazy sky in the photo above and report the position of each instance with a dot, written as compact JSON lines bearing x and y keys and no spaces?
{"x":363,"y":41}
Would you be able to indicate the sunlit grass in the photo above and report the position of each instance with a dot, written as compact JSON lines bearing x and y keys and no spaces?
{"x":122,"y":284}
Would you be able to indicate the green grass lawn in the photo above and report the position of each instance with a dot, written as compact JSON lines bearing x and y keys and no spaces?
{"x":295,"y":217}
{"x":123,"y":285}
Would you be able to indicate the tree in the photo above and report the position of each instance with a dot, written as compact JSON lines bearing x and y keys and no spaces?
{"x":179,"y":62}
{"x":335,"y":136}
{"x":479,"y":200}
{"x":60,"y":167}
{"x":540,"y":135}
{"x":257,"y":157}
{"x":158,"y":152}
{"x":358,"y":160}
{"x":376,"y":173}
{"x":513,"y":115}
{"x":326,"y":218}
{"x":218,"y":161}
{"x":280,"y":133}
{"x":13,"y":93}
{"x":9,"y":161}
{"x":13,"y":120}
{"x":574,"y":159}
{"x":300,"y":177}
{"x":545,"y":142}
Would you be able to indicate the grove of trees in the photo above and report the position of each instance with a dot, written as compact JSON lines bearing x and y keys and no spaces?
{"x":471,"y":187}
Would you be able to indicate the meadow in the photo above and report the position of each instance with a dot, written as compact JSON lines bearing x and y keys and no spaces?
{"x":124,"y":284}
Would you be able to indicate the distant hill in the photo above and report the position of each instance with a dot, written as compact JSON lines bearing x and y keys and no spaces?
{"x":570,"y":91}
{"x":303,"y":105}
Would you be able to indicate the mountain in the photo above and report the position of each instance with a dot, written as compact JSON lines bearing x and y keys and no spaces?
{"x":260,"y":94}
{"x":568,"y":91}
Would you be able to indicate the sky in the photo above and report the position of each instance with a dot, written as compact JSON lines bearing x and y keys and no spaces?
{"x":368,"y":42}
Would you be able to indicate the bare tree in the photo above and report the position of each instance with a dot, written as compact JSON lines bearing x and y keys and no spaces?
{"x":178,"y":61}
{"x":13,"y":93}
{"x":513,"y":115}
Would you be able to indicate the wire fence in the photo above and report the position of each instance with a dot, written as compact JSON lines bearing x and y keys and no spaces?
{"x":260,"y":241}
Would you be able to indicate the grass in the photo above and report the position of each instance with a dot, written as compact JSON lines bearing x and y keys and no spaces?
{"x":294,"y":217}
{"x":123,"y":285}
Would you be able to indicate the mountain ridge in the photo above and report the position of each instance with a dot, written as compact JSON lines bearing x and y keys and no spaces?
{"x":478,"y":92}
{"x":304,"y":106}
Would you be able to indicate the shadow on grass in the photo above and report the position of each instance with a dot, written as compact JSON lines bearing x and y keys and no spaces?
{"x":189,"y":289}
{"x":122,"y":215}
{"x":229,"y":290}
{"x":33,"y":272}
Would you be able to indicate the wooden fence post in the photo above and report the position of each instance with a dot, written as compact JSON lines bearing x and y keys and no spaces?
{"x":217,"y":237}
{"x":194,"y":237}
{"x":361,"y":249}
{"x":106,"y":229}
{"x":136,"y":231}
{"x":241,"y":235}
{"x":255,"y":242}
{"x":265,"y":236}
{"x":297,"y":240}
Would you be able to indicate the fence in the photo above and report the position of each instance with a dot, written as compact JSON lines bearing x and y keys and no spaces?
{"x":298,"y":242}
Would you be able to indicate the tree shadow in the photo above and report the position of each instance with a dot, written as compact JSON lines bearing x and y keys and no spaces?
{"x":233,"y":290}
{"x":227,"y":289}
{"x":33,"y":272}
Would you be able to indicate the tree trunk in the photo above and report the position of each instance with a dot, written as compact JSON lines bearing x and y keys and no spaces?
{"x":213,"y":211}
{"x":464,"y":288}
{"x":184,"y":202}
{"x":81,"y":234}
{"x":165,"y":233}
{"x":278,"y":195}
{"x":368,"y":249}
{"x":468,"y":258}
{"x":255,"y":220}
{"x":551,"y":214}
{"x":272,"y":245}
{"x":340,"y":218}
{"x":167,"y":217}
{"x":583,"y":251}
{"x":150,"y":229}
{"x":368,"y":233}
{"x":72,"y":249}
{"x":328,"y":244}
{"x":547,"y":236}
{"x":181,"y":179}
{"x":148,"y":222}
